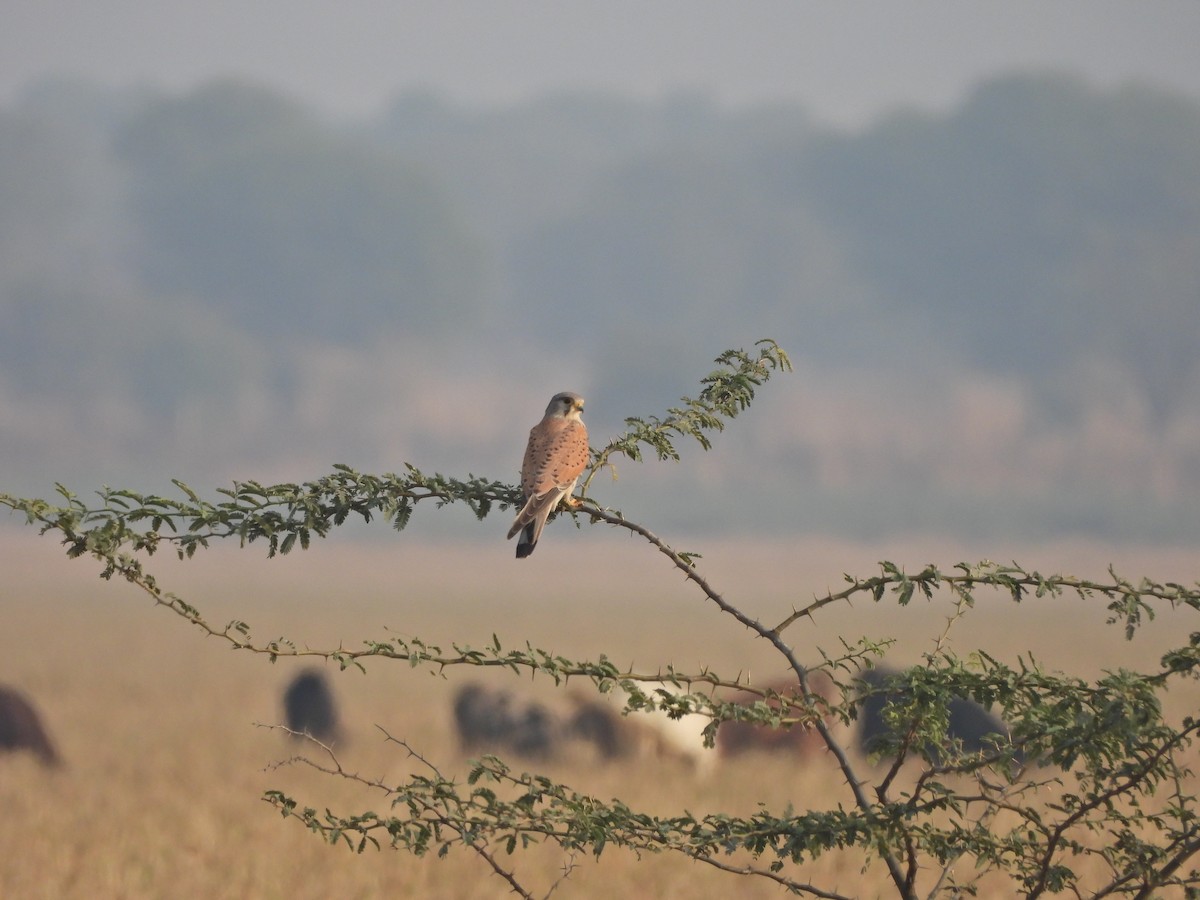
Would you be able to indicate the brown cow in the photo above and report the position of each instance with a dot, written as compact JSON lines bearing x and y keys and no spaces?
{"x":21,"y":728}
{"x":735,"y":738}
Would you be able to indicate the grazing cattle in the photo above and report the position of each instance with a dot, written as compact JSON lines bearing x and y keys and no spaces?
{"x":490,"y":721}
{"x":495,"y":721}
{"x":646,"y":735}
{"x":735,"y":738}
{"x":309,"y":708}
{"x":21,"y":728}
{"x":970,"y":724}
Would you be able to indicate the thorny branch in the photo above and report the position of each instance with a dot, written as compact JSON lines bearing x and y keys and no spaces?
{"x":1111,"y":737}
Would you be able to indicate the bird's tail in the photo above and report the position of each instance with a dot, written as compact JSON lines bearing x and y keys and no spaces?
{"x":526,"y":542}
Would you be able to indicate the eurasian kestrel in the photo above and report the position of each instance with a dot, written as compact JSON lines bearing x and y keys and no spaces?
{"x":554,"y":459}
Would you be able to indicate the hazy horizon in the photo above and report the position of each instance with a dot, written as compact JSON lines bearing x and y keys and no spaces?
{"x":846,"y":63}
{"x":241,"y":243}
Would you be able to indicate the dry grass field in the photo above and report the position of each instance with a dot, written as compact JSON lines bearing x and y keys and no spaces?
{"x":167,"y":759}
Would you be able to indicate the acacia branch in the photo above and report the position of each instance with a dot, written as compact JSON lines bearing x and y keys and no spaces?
{"x":432,"y":814}
{"x":1103,"y":799}
{"x":1062,"y":719}
{"x":1128,"y":604}
{"x":727,"y":391}
{"x":545,"y":810}
{"x":685,"y":563}
{"x":795,"y":887}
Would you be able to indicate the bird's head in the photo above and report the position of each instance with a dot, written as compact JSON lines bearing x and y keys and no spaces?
{"x":565,"y":406}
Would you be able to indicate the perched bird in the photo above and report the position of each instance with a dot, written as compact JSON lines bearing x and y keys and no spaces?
{"x":554,"y":459}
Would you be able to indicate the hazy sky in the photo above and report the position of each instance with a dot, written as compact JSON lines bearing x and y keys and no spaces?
{"x":845,"y":60}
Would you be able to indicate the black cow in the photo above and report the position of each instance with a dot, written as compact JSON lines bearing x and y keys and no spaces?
{"x":598,"y":723}
{"x":309,"y":708}
{"x":970,"y":724}
{"x":492,"y":722}
{"x":21,"y":728}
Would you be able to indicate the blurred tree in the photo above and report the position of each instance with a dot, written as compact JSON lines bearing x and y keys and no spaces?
{"x":246,"y":200}
{"x":1008,"y":218}
{"x":166,"y":253}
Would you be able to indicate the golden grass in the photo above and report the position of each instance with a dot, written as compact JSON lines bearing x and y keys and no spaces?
{"x":166,"y":765}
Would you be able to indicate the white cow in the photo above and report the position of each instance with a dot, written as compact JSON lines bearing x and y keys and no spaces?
{"x":659,"y":735}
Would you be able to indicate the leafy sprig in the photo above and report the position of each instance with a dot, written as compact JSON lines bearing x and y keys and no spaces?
{"x":728,"y":391}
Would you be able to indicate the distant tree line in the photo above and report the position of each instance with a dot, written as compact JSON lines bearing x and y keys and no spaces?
{"x":170,"y":251}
